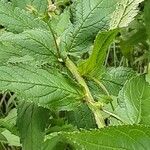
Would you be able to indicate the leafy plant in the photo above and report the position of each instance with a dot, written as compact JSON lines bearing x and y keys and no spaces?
{"x":68,"y":76}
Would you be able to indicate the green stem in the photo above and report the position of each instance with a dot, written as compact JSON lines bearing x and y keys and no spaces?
{"x":101,"y":85}
{"x":88,"y":97}
{"x":104,"y":89}
{"x":113,"y":115}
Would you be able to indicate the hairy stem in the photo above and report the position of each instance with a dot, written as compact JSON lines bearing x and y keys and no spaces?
{"x":88,"y":96}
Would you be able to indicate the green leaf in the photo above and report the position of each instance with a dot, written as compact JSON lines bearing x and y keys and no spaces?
{"x":51,"y":144}
{"x":146,"y":16}
{"x":134,"y":101}
{"x":9,"y":122}
{"x":2,"y":137}
{"x":37,"y":43}
{"x":24,"y":59}
{"x":125,"y":12}
{"x":58,"y":125}
{"x":48,"y":89}
{"x":31,"y":123}
{"x":18,"y":20}
{"x":95,"y":62}
{"x":106,"y":88}
{"x":81,"y":117}
{"x":89,"y":17}
{"x":111,"y":138}
{"x":39,"y":7}
{"x":7,"y":51}
{"x":54,"y":142}
{"x":95,"y":89}
{"x":114,"y":78}
{"x":148,"y":75}
{"x":12,"y":139}
{"x":60,"y":22}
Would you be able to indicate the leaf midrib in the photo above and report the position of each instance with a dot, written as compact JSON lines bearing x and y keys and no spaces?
{"x":36,"y":84}
{"x":80,"y":27}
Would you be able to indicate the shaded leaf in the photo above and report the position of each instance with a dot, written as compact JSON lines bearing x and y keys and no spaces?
{"x":148,"y":75}
{"x":127,"y":45}
{"x":81,"y":117}
{"x":146,"y":16}
{"x":31,"y":123}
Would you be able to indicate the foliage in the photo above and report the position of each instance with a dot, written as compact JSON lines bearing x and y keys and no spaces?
{"x":74,"y":74}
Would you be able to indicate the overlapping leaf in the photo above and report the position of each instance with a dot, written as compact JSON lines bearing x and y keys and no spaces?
{"x":18,"y":20}
{"x":134,"y":101}
{"x":115,"y":78}
{"x":38,"y":43}
{"x":84,"y":114}
{"x":89,"y":17}
{"x":48,"y":89}
{"x":60,"y":22}
{"x":31,"y":123}
{"x":54,"y":143}
{"x":94,"y":64}
{"x":9,"y":122}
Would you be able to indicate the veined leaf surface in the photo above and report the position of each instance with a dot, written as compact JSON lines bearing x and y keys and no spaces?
{"x":18,"y":20}
{"x":89,"y":17}
{"x":39,"y":6}
{"x":48,"y":89}
{"x":111,"y":138}
{"x":134,"y":101}
{"x":125,"y":12}
{"x":38,"y":43}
